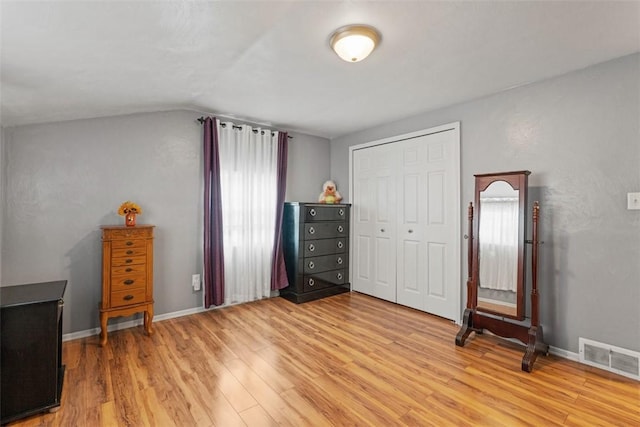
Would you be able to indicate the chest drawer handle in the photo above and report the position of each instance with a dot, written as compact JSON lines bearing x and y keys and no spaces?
{"x":312,"y":212}
{"x":312,"y":282}
{"x":341,"y":212}
{"x":312,"y":230}
{"x":339,"y":260}
{"x":129,"y":252}
{"x":340,"y":229}
{"x":311,"y":247}
{"x":339,"y":276}
{"x":340,"y":245}
{"x":128,"y":282}
{"x":128,"y":269}
{"x":128,"y":261}
{"x":128,"y":297}
{"x":311,"y":265}
{"x":129,"y":243}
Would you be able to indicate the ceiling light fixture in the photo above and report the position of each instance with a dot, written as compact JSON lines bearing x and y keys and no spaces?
{"x":353,"y":43}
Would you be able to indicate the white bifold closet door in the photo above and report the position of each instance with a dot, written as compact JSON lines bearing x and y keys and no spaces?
{"x":406,"y":222}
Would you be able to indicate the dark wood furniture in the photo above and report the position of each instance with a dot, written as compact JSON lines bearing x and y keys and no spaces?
{"x":30,"y":348}
{"x":498,"y":317}
{"x":316,"y":250}
{"x":127,"y":274}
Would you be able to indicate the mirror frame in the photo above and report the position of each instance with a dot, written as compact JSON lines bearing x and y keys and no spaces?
{"x":519,"y":182}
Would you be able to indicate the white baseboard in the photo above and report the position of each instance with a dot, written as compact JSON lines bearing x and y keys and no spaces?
{"x":133,"y":323}
{"x":137,"y":322}
{"x":565,"y":354}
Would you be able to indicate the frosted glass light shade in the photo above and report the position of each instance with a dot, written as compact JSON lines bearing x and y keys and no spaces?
{"x":353,"y":43}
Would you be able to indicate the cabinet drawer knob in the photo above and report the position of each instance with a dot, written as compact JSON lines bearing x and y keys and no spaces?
{"x":312,"y":230}
{"x":340,"y":229}
{"x":311,"y":247}
{"x":128,"y":269}
{"x":311,"y":265}
{"x":128,"y":261}
{"x":312,"y":212}
{"x":128,"y":282}
{"x":129,"y":252}
{"x":312,"y":282}
{"x":129,"y":243}
{"x":341,"y":212}
{"x":339,"y":260}
{"x":340,"y":244}
{"x":339,"y":276}
{"x":128,"y":297}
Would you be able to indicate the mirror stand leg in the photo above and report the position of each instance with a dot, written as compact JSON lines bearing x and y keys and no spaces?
{"x":466,"y":329}
{"x":536,"y":345}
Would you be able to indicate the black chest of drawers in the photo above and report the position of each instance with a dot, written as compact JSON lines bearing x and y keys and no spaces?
{"x":31,"y":370}
{"x":316,"y":250}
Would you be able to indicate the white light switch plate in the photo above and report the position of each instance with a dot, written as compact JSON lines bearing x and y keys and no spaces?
{"x":195,"y":282}
{"x":633,"y":201}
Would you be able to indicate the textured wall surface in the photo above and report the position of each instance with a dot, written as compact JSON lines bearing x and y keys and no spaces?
{"x":64,"y":180}
{"x":308,"y":167}
{"x":2,"y":186}
{"x":579,"y":136}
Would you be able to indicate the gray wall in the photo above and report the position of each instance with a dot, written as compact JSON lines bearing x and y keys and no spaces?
{"x":2,"y":185}
{"x":64,"y":180}
{"x":579,"y":136}
{"x":308,"y":167}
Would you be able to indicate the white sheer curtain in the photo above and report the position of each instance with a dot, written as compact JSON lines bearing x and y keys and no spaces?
{"x":248,"y":181}
{"x":499,"y":243}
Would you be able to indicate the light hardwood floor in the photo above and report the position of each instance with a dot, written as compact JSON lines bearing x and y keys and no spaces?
{"x":345,"y":360}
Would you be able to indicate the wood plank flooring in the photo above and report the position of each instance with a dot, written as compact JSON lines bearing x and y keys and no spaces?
{"x":346,"y":360}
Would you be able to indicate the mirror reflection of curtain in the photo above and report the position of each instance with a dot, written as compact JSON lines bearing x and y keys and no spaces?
{"x":498,"y":240}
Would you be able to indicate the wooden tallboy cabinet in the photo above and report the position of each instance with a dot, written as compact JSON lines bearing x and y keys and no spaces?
{"x":127,"y":274}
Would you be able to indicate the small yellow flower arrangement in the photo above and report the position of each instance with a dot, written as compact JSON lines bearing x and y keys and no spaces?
{"x":129,"y":210}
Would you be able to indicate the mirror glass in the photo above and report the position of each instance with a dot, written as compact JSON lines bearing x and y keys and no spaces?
{"x":498,"y":249}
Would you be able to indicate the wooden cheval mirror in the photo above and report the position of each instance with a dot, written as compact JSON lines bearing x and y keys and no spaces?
{"x":496,"y":262}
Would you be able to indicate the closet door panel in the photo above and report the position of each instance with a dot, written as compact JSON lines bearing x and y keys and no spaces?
{"x":363,"y":225}
{"x":410,"y":251}
{"x":385,"y":228}
{"x":441,"y":227}
{"x":374,"y":222}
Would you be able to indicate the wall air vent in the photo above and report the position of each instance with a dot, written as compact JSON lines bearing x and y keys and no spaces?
{"x":615,"y":359}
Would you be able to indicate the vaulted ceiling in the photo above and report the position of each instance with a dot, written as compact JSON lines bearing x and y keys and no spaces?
{"x":270,"y":62}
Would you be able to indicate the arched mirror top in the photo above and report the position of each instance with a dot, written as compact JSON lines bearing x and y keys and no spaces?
{"x":498,"y":190}
{"x":516,"y":179}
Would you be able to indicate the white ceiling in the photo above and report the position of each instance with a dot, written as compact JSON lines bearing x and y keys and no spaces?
{"x":269,"y":62}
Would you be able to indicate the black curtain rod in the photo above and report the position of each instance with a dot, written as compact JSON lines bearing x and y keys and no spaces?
{"x":224,"y":125}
